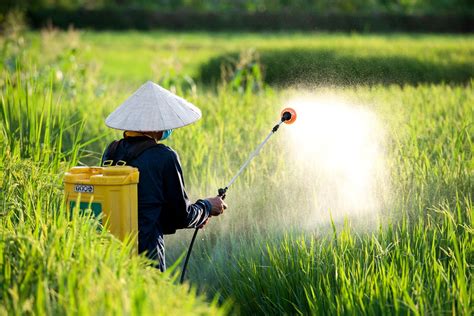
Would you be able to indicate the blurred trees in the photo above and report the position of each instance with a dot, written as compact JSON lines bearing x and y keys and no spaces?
{"x":319,"y":6}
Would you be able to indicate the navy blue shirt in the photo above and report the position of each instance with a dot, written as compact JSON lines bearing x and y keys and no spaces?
{"x":163,"y":205}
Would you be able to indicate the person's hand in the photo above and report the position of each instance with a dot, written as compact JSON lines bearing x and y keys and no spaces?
{"x":218,"y":205}
{"x":205,"y":223}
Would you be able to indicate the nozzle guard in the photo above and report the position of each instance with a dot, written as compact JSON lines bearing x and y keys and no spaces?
{"x":288,"y":116}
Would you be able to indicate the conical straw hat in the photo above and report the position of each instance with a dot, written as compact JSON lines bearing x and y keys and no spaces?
{"x":153,"y":108}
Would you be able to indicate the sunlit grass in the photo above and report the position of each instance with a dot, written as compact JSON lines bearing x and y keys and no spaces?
{"x":418,"y":259}
{"x":57,"y":263}
{"x":412,"y":262}
{"x":134,"y":57}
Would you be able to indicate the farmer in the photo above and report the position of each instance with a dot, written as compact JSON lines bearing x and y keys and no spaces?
{"x":148,"y":117}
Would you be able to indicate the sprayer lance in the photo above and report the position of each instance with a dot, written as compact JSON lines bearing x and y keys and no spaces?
{"x":288,"y":116}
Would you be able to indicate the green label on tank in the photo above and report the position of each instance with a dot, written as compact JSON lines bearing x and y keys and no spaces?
{"x":93,"y":208}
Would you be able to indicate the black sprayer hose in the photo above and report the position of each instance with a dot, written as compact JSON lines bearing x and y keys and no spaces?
{"x":222,"y":193}
{"x":190,"y":249}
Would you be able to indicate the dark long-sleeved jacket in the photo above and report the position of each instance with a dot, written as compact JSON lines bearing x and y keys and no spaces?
{"x":163,"y":205}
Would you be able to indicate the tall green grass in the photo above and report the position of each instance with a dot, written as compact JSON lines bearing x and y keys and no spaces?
{"x":52,"y":262}
{"x":418,"y":260}
{"x":419,"y":268}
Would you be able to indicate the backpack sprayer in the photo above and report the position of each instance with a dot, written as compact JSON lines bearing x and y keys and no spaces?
{"x":288,"y":116}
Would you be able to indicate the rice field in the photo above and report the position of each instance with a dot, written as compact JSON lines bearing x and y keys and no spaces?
{"x":300,"y":235}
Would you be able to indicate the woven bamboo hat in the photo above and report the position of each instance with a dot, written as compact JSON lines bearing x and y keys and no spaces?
{"x":152,"y":108}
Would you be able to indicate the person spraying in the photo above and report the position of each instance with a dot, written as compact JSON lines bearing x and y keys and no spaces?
{"x":147,"y":118}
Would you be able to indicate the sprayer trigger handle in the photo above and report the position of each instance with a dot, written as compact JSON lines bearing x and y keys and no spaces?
{"x":221,"y":192}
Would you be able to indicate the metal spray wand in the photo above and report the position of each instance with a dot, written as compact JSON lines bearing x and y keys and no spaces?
{"x":288,"y":116}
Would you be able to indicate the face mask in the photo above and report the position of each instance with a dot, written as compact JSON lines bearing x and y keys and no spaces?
{"x":166,"y":134}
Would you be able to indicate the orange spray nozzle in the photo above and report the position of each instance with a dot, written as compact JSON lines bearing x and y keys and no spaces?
{"x":288,"y":116}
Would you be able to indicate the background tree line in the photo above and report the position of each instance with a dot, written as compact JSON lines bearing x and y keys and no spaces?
{"x":318,"y":6}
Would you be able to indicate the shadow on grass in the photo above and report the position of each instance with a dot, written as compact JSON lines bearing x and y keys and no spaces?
{"x":310,"y":66}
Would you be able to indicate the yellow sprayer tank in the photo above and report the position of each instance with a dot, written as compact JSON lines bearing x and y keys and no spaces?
{"x":110,"y":191}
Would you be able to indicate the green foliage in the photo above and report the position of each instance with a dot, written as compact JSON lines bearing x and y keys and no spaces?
{"x":347,"y":66}
{"x":418,"y":260}
{"x":413,"y":262}
{"x":242,"y":73}
{"x":323,"y":6}
{"x":409,"y":269}
{"x":123,"y":18}
{"x":52,"y":262}
{"x":167,"y":54}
